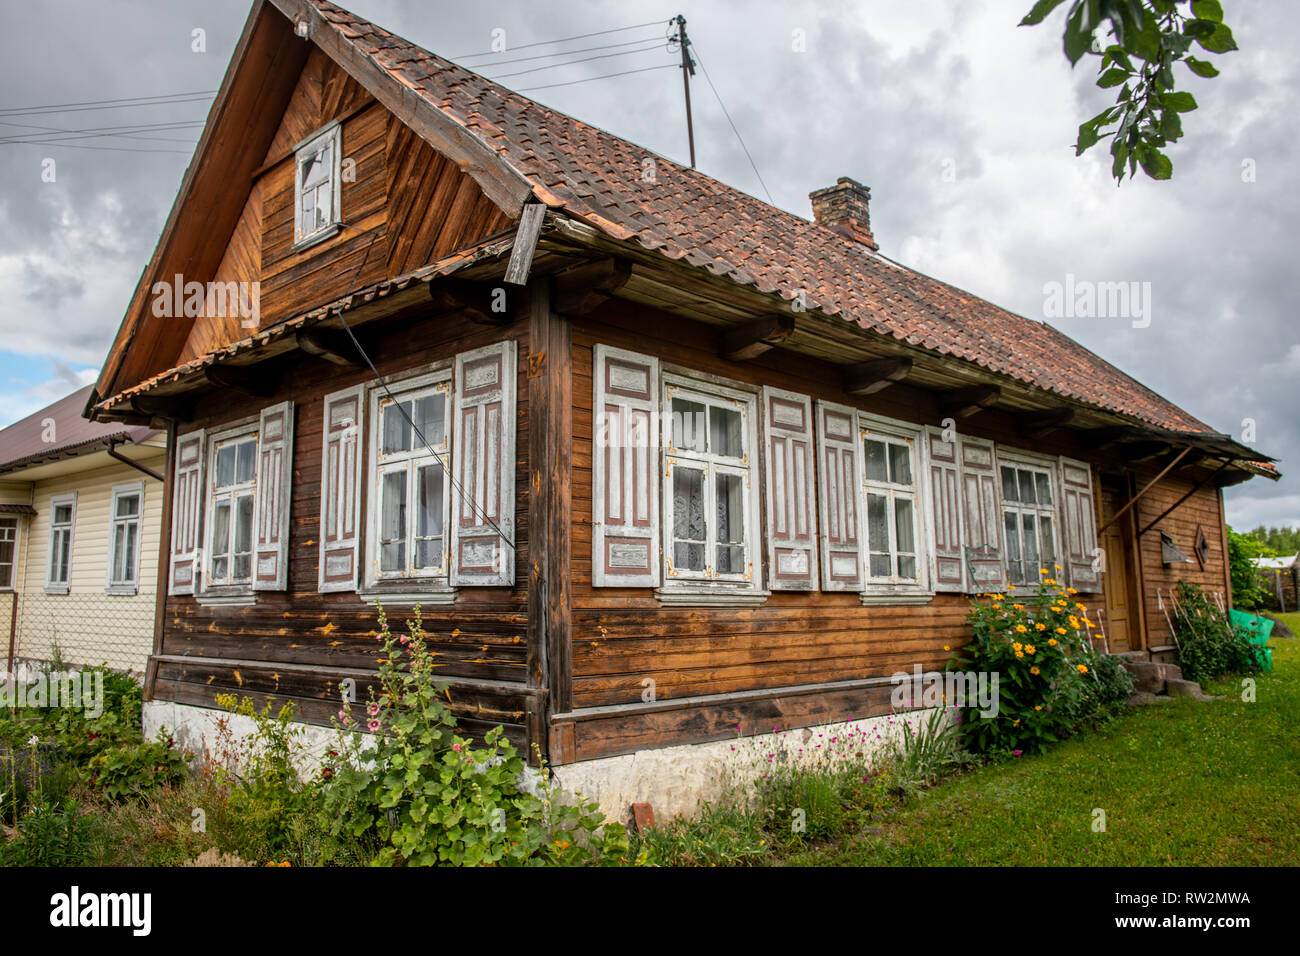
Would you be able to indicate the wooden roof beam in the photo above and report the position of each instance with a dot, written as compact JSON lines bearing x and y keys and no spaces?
{"x":333,"y":346}
{"x":751,"y":339}
{"x":582,"y":288}
{"x":1140,"y":451}
{"x":175,"y":408}
{"x":967,"y":401}
{"x":1096,"y":438}
{"x":244,"y":380}
{"x":484,"y":303}
{"x":866,"y":378}
{"x":1037,"y":424}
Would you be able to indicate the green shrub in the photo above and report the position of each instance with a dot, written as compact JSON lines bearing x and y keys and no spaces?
{"x":1247,"y":592}
{"x":925,"y":750}
{"x":49,"y":834}
{"x":719,"y":834}
{"x":1208,"y":645}
{"x":131,"y":771}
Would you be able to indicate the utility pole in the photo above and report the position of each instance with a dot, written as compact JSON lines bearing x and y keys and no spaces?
{"x":688,"y":70}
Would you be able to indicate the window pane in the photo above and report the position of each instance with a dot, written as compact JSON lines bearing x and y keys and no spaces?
{"x":428,"y":517}
{"x":1031,"y":547}
{"x":907,"y":566}
{"x":225,"y":467}
{"x":63,"y":514}
{"x":877,"y":469}
{"x":244,"y":523}
{"x":119,"y":549}
{"x":397,"y":429}
{"x":903,"y":526}
{"x":688,"y":425}
{"x":246,"y":464}
{"x":430,"y":416}
{"x":729,"y":491}
{"x":1015,"y":566}
{"x":323,"y":210}
{"x":688,"y":519}
{"x":1044,"y":488}
{"x":1009,"y":491}
{"x":1027,"y":487}
{"x":128,"y":555}
{"x":243,"y":568}
{"x":726,"y":432}
{"x":900,"y":464}
{"x":128,"y":506}
{"x":65,"y":554}
{"x":220,"y":565}
{"x":878,"y":534}
{"x":1047,"y":547}
{"x":392,"y":522}
{"x":221,"y":528}
{"x":879,"y":565}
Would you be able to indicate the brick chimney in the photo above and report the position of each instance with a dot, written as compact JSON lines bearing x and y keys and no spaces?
{"x":842,"y":208}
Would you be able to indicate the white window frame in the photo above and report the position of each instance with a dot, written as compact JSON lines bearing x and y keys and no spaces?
{"x":329,"y":135}
{"x":52,"y":585}
{"x":1022,"y":460}
{"x":242,"y":591}
{"x":12,"y":583}
{"x":129,"y":584}
{"x":428,"y":588}
{"x":709,"y":586}
{"x":892,"y":589}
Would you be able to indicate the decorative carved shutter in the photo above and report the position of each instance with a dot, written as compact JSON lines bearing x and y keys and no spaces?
{"x":945,"y":502}
{"x":187,"y":505}
{"x":625,"y":550}
{"x":839,"y":484}
{"x":340,"y":483}
{"x":791,"y":508}
{"x":981,"y":498}
{"x":483,"y":453}
{"x":1079,"y":524}
{"x":274,"y":493}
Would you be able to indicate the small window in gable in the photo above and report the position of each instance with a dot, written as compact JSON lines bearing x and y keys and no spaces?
{"x":317,"y":187}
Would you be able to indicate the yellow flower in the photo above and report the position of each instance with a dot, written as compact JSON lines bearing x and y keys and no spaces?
{"x":1081,"y":668}
{"x":1038,"y":707}
{"x":1018,"y":607}
{"x":1087,"y":623}
{"x":1052,"y":642}
{"x":1049,"y":580}
{"x":1060,"y":630}
{"x":1057,"y":566}
{"x":1042,"y":571}
{"x":1020,"y":629}
{"x":1071,"y":591}
{"x":1074,"y":621}
{"x":1081,"y":607}
{"x":1017,"y":723}
{"x":1020,"y":653}
{"x":1030,"y":649}
{"x":1034,"y":669}
{"x":1040,"y":626}
{"x":1011,"y":587}
{"x":1017,"y":646}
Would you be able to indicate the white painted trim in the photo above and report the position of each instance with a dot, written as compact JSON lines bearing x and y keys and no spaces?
{"x":18,"y":539}
{"x":219,"y":593}
{"x":58,"y":501}
{"x":332,"y":130}
{"x":132,"y":584}
{"x":357,"y":392}
{"x":901,"y":592}
{"x":710,"y":596}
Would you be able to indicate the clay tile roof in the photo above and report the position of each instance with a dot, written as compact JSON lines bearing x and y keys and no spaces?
{"x":23,"y":443}
{"x":595,"y":176}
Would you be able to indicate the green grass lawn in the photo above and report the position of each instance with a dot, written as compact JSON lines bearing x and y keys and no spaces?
{"x":1182,"y":783}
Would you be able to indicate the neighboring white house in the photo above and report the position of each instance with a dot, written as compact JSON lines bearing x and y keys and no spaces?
{"x":80,"y":513}
{"x":1280,"y":576}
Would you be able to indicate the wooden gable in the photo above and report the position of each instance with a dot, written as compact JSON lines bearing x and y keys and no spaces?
{"x":403,"y":202}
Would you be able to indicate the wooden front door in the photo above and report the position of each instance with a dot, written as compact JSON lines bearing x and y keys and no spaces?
{"x":1119,"y":623}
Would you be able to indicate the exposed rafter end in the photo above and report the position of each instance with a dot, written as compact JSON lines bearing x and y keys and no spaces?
{"x":750,"y":340}
{"x":332,"y":346}
{"x":1097,"y":438}
{"x":1038,"y":424}
{"x":965,"y":402}
{"x":483,"y":303}
{"x":525,"y":245}
{"x":582,"y":288}
{"x":866,"y":378}
{"x":172,"y":408}
{"x":241,"y":380}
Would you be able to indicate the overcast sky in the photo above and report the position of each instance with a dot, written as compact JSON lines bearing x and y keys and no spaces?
{"x":960,"y":122}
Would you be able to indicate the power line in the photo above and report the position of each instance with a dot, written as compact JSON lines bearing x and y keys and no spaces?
{"x":590,"y":79}
{"x":94,"y":105}
{"x":580,"y":36}
{"x":725,"y":113}
{"x":55,"y":129}
{"x":586,"y":49}
{"x":113,"y":149}
{"x":587,"y":59}
{"x":100,"y":132}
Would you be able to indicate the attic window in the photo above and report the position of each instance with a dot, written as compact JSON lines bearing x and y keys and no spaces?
{"x":317,"y":187}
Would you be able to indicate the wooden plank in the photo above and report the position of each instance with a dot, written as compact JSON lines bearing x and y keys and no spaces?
{"x":867,"y":378}
{"x":521,"y":253}
{"x":754,"y":338}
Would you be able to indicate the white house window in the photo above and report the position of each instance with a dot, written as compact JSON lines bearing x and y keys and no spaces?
{"x":124,"y":538}
{"x":1029,"y":520}
{"x":893,"y":518}
{"x":63,"y":512}
{"x":230,"y":509}
{"x":409,"y":502}
{"x":317,"y":187}
{"x":8,"y":551}
{"x":709,"y":492}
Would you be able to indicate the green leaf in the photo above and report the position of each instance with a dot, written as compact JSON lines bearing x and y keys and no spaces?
{"x":1078,"y":38}
{"x":1218,"y":41}
{"x":1179,"y":102}
{"x":1201,"y":67}
{"x":1041,"y":9}
{"x":1112,"y":77}
{"x":1155,"y":163}
{"x":1207,"y":10}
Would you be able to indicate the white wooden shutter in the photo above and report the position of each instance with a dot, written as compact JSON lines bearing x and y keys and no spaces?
{"x":187,"y":510}
{"x":274,"y":493}
{"x":340,"y":484}
{"x":839,"y":484}
{"x":483,"y":462}
{"x":1079,"y":524}
{"x":982,"y":514}
{"x":945,"y":505}
{"x":625,"y":549}
{"x":791,"y":491}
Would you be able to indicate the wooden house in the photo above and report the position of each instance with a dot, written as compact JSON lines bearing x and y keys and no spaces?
{"x":80,"y":514}
{"x":660,"y":462}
